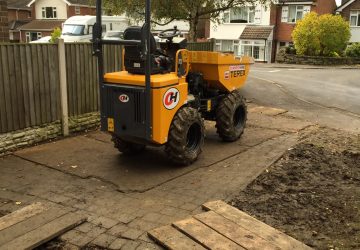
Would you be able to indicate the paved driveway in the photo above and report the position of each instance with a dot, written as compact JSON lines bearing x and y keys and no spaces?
{"x":125,"y":197}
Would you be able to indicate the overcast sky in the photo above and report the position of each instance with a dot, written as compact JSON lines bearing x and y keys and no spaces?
{"x":338,"y":2}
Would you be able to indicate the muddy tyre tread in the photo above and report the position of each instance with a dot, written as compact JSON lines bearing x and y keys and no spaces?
{"x":175,"y":148}
{"x":224,"y":117}
{"x":125,"y":147}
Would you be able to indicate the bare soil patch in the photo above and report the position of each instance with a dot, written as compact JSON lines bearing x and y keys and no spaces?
{"x":313,"y":192}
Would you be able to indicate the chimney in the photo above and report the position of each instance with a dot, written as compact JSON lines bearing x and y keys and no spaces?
{"x":4,"y":27}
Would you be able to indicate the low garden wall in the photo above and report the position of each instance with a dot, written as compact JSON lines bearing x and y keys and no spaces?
{"x":14,"y":140}
{"x":315,"y":60}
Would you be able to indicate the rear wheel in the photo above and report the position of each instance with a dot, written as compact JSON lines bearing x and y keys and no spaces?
{"x":126,"y":147}
{"x":231,"y":116}
{"x":186,"y":136}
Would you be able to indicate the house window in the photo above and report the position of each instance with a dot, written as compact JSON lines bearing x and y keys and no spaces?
{"x":49,"y":12}
{"x":240,"y":15}
{"x":32,"y":36}
{"x":253,"y":48}
{"x":77,"y":10}
{"x":296,"y":12}
{"x":355,"y":18}
{"x":227,"y":46}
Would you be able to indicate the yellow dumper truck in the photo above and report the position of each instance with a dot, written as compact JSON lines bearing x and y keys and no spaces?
{"x":163,"y":93}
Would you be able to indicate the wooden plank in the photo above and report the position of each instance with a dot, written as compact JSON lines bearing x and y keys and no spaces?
{"x":19,"y":89}
{"x":82,"y":83}
{"x":46,"y":69}
{"x":171,"y":238}
{"x":25,"y":85}
{"x":32,"y":223}
{"x":69,"y":79}
{"x":78,"y":80}
{"x":95,"y":84}
{"x":3,"y":124}
{"x":255,"y":226}
{"x":54,"y":81}
{"x":57,"y":85}
{"x":41,"y":83}
{"x":234,"y":232}
{"x":86,"y":78}
{"x":12,"y":88}
{"x":47,"y":232}
{"x":204,"y":235}
{"x":30,"y":77}
{"x":36,"y":81}
{"x":7,"y":93}
{"x":21,"y":214}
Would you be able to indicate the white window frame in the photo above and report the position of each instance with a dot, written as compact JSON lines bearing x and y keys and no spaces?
{"x":251,"y":9}
{"x":54,"y":13}
{"x":77,"y":10}
{"x":235,"y":47}
{"x":252,"y":44}
{"x":356,"y":14}
{"x":297,"y":10}
{"x":28,"y":36}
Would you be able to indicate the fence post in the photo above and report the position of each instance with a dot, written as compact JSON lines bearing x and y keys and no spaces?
{"x":63,"y":88}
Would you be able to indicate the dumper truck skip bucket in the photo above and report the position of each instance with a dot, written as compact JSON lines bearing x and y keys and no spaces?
{"x":221,"y":70}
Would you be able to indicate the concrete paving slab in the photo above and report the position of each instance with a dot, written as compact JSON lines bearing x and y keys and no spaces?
{"x":265,"y":110}
{"x":94,"y":156}
{"x":280,"y":123}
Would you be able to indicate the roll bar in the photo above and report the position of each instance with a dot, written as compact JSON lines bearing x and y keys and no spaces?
{"x":144,"y":44}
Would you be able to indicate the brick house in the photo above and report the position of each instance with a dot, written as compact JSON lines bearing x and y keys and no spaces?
{"x":18,"y":15}
{"x":51,"y":14}
{"x":287,"y":12}
{"x":245,"y":30}
{"x":4,"y":27}
{"x":350,"y":11}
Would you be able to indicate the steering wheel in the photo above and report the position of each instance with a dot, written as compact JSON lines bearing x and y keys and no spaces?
{"x":169,"y":33}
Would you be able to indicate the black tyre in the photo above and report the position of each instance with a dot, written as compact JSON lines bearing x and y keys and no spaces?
{"x":126,"y":147}
{"x":186,"y":137}
{"x":231,"y":116}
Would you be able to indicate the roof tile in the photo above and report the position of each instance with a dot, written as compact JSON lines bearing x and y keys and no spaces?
{"x":256,"y":32}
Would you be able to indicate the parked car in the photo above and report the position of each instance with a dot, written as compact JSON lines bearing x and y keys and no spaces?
{"x":80,"y":28}
{"x":45,"y":39}
{"x":114,"y":35}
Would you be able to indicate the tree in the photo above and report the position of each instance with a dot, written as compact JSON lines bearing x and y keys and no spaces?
{"x":324,"y":35}
{"x":55,"y":35}
{"x":166,"y":11}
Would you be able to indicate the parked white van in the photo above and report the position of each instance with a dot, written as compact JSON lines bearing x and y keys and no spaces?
{"x":79,"y":28}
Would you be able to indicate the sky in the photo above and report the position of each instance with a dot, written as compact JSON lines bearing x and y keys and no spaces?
{"x":338,"y":2}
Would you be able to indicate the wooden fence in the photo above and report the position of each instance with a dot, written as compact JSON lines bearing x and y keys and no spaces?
{"x":202,"y":46}
{"x":29,"y":86}
{"x":29,"y":81}
{"x":82,"y":77}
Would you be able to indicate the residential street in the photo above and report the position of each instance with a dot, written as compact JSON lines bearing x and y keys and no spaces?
{"x":328,"y":96}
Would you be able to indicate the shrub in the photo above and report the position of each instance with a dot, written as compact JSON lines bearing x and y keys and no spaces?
{"x":353,"y":50}
{"x":291,"y":50}
{"x":306,"y":35}
{"x":55,"y":35}
{"x":334,"y":34}
{"x":325,"y":35}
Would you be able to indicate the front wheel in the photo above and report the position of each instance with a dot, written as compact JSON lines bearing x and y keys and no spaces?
{"x":186,"y":136}
{"x":231,"y":116}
